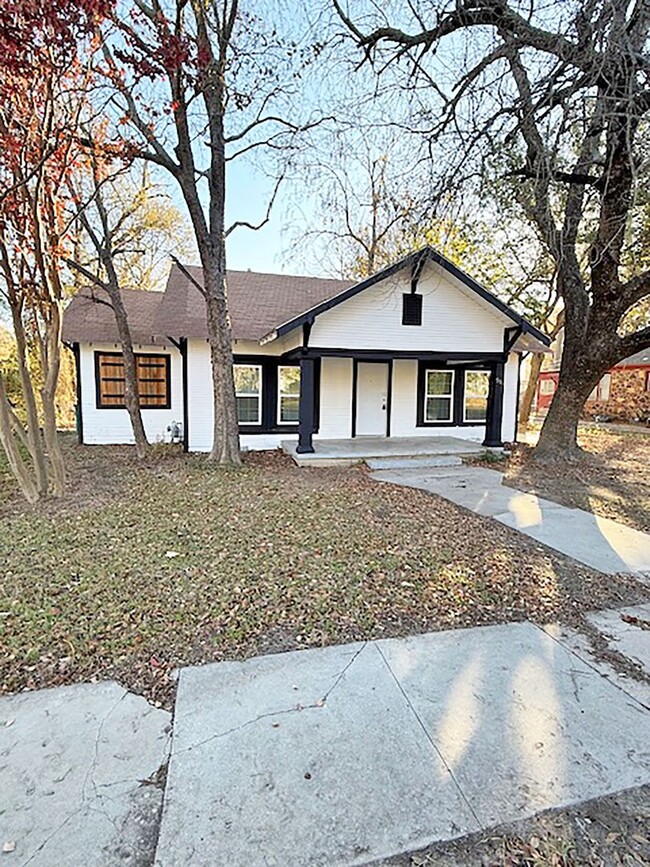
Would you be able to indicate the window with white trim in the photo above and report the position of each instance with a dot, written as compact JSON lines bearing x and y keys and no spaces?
{"x":547,"y":386}
{"x":477,"y":386}
{"x":288,"y":395}
{"x":439,"y":395}
{"x":248,"y":392}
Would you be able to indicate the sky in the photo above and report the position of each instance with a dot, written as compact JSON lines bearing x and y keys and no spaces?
{"x":329,"y":88}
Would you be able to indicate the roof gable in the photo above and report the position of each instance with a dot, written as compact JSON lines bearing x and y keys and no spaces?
{"x":415,"y":262}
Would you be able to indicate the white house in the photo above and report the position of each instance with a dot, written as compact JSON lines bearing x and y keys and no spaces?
{"x":418,"y":349}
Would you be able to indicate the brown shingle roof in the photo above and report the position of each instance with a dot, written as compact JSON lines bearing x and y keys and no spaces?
{"x":90,"y":318}
{"x":258,"y":303}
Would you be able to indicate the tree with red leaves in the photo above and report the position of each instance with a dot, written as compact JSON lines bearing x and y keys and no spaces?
{"x":42,"y":85}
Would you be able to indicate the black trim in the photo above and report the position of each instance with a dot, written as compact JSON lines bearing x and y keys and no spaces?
{"x":269,"y":422}
{"x":520,"y":358}
{"x":389,"y":397}
{"x":388,"y":354}
{"x":307,"y":395}
{"x":182,"y":348}
{"x":411,"y":308}
{"x":458,"y":393}
{"x":494,"y":422}
{"x":137,"y":355}
{"x":415,"y":260}
{"x":355,"y":388}
{"x":510,"y":337}
{"x":355,"y":383}
{"x":76,"y":351}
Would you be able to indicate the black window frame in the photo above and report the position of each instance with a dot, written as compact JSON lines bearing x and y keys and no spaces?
{"x":138,"y":355}
{"x":270,"y":365}
{"x":458,"y":393}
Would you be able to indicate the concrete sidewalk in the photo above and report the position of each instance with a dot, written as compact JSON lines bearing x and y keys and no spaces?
{"x":344,"y":755}
{"x":325,"y":757}
{"x":598,"y":542}
{"x":80,"y":780}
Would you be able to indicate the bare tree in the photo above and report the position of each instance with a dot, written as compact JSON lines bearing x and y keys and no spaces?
{"x":221,"y":67}
{"x":559,"y":99}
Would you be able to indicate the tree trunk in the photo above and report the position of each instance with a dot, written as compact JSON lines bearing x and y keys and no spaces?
{"x":34,"y":439}
{"x":131,"y":395}
{"x":531,"y":387}
{"x":225,"y":444}
{"x":51,"y":355}
{"x":559,"y":435}
{"x":10,"y":446}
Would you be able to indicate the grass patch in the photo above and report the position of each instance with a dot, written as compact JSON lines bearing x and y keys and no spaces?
{"x":147,"y":566}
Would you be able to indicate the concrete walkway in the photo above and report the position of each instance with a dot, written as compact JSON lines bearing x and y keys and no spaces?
{"x":79,"y":777}
{"x":331,"y":757}
{"x":598,"y":542}
{"x":345,"y":755}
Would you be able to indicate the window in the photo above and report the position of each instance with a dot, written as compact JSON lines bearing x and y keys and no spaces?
{"x":153,"y":377}
{"x":288,"y":395}
{"x":438,"y":395}
{"x":547,"y":386}
{"x":477,"y":385}
{"x":604,"y":387}
{"x":248,"y":392}
{"x":411,"y":309}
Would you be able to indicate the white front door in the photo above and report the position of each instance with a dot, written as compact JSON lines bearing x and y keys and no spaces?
{"x":372,"y":398}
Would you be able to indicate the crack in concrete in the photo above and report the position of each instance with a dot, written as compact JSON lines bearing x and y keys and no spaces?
{"x":316,"y":705}
{"x":479,"y":824}
{"x":610,"y":659}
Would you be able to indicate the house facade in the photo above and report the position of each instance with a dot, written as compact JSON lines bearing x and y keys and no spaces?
{"x":622,"y":393}
{"x":418,"y":349}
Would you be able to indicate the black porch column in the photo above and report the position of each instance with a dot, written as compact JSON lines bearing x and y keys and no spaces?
{"x":306,"y":406}
{"x":494,"y":417}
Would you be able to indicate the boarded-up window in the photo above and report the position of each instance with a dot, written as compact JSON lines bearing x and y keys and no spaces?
{"x":152,"y":373}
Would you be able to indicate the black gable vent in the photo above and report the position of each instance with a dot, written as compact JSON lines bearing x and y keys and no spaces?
{"x":412,"y":309}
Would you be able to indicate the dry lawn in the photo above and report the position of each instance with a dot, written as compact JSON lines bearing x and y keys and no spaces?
{"x":611,"y":480}
{"x":144,"y":567}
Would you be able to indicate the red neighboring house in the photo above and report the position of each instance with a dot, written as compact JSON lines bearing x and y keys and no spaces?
{"x":622,"y":393}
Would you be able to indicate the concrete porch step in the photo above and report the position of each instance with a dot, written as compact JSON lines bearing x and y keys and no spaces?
{"x":406,"y":462}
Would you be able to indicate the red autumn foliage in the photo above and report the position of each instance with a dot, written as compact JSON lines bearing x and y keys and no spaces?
{"x":28,"y":28}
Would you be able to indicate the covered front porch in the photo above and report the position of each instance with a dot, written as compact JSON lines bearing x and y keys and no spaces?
{"x":382,"y":452}
{"x":400,"y":403}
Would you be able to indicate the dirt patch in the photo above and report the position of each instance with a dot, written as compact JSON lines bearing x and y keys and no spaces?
{"x":600,"y":833}
{"x":611,"y":479}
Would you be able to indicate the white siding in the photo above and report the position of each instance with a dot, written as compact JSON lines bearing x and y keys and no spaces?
{"x":404,"y":409}
{"x":199,"y":396}
{"x":113,"y":426}
{"x":510,"y":408}
{"x":454,"y":319}
{"x":335,"y":398}
{"x":335,"y":401}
